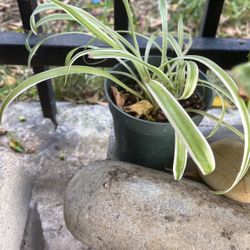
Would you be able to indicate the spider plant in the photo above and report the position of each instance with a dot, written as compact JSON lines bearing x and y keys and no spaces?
{"x":164,"y":86}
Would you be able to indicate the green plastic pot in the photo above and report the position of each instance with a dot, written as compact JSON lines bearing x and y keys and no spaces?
{"x":150,"y":144}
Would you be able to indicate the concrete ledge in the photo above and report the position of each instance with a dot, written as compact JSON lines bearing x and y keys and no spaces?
{"x":15,"y":194}
{"x":33,"y":236}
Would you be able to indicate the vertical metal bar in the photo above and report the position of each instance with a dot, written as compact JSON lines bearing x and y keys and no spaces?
{"x":120,"y":16}
{"x":45,"y":89}
{"x":211,"y":17}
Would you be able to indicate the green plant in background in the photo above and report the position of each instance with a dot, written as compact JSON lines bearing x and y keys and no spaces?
{"x":241,"y":74}
{"x":163,"y":87}
{"x":236,"y":15}
{"x":77,"y":90}
{"x":234,"y":20}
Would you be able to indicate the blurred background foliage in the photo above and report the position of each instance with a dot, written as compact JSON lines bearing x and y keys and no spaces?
{"x":234,"y":22}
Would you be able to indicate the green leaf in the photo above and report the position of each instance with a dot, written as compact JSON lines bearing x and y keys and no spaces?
{"x":112,"y":53}
{"x":216,"y":119}
{"x":164,"y":14}
{"x":150,"y":42}
{"x":87,"y":21}
{"x":244,"y":114}
{"x":40,"y":8}
{"x":192,"y":76}
{"x":188,"y":44}
{"x":131,"y":26}
{"x":175,"y":45}
{"x":180,"y":158}
{"x":53,"y":17}
{"x":60,"y":71}
{"x":223,"y":111}
{"x":84,"y":47}
{"x":41,"y":42}
{"x":142,"y":36}
{"x":180,"y":32}
{"x":214,"y":86}
{"x":186,"y":130}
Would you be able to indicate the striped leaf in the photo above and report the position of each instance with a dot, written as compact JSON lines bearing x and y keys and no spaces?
{"x":60,"y":71}
{"x":184,"y":127}
{"x":180,"y":158}
{"x":244,"y":114}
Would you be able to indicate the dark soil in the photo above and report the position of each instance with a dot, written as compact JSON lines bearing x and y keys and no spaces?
{"x":195,"y":102}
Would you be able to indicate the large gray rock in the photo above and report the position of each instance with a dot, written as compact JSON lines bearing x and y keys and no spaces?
{"x":115,"y":205}
{"x":15,"y":193}
{"x":228,"y":157}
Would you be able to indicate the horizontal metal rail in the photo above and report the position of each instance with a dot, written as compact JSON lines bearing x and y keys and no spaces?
{"x":225,"y":52}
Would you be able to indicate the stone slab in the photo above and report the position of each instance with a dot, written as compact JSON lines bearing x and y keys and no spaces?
{"x":228,"y":155}
{"x":33,"y":235}
{"x":15,"y":194}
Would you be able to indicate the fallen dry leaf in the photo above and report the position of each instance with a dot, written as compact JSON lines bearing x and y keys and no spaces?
{"x":119,"y":98}
{"x":10,"y":80}
{"x":102,"y":103}
{"x":174,"y":7}
{"x":30,"y":150}
{"x":3,"y":131}
{"x":4,"y":6}
{"x":217,"y":103}
{"x":154,"y":23}
{"x":140,"y":108}
{"x":94,"y":98}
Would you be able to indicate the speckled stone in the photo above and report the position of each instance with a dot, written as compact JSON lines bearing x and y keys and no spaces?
{"x":115,"y":205}
{"x":15,"y":195}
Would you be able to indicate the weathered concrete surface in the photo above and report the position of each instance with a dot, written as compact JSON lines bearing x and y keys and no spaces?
{"x":81,"y":137}
{"x":15,"y":194}
{"x":114,"y":205}
{"x":33,"y":236}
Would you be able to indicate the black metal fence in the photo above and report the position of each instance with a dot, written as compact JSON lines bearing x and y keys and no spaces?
{"x":225,"y":52}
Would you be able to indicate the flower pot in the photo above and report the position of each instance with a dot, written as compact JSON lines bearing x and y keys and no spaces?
{"x":150,"y":144}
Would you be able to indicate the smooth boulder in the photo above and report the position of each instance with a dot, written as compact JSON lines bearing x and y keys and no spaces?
{"x":115,"y":205}
{"x":228,"y":156}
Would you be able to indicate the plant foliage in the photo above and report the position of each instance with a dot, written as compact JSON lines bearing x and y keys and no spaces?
{"x":176,"y":79}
